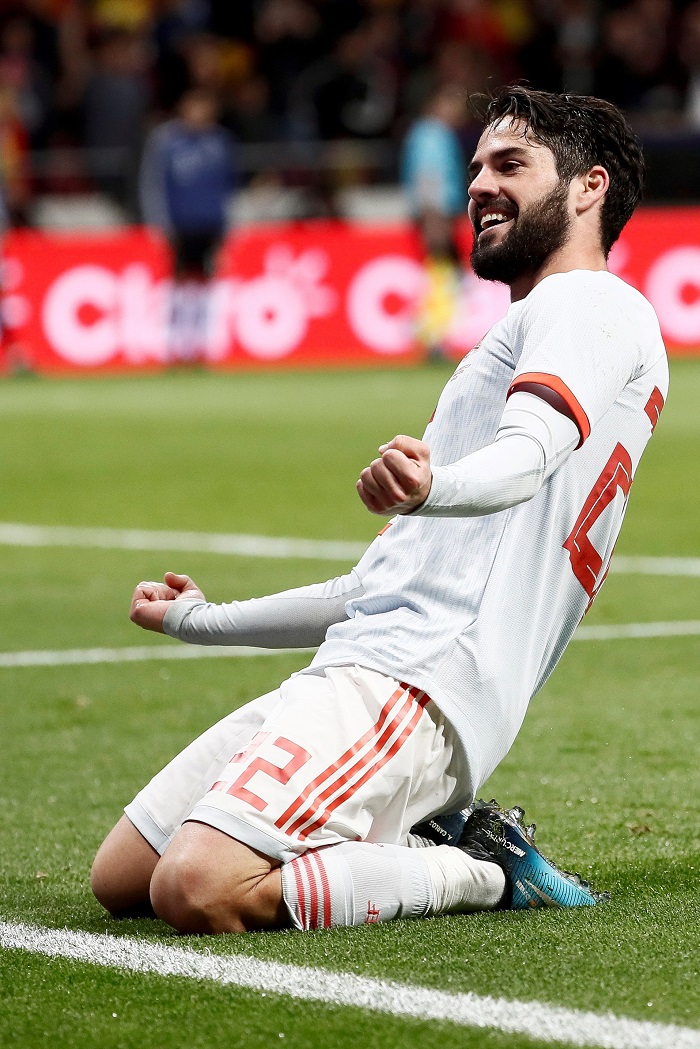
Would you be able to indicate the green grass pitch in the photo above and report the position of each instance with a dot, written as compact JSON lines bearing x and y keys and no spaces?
{"x":606,"y":762}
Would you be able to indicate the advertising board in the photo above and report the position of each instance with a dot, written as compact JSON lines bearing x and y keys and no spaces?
{"x":313,"y":294}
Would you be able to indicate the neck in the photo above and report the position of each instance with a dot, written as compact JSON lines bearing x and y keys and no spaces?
{"x":566,"y":259}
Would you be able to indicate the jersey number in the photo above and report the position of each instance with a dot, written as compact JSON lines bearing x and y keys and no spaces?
{"x":586,"y":562}
{"x":279,"y":773}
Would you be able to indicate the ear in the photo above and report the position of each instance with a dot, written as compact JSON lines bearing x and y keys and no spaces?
{"x":591,"y":188}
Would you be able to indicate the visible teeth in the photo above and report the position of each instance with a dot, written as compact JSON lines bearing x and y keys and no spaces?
{"x":493,"y":217}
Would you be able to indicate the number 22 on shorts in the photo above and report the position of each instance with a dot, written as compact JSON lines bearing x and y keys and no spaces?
{"x":279,"y":773}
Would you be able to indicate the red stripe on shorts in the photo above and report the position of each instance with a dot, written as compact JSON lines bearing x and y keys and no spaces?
{"x":342,"y":760}
{"x":314,"y":811}
{"x":374,"y":767}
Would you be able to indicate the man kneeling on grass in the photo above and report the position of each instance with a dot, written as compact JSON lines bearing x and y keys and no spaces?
{"x":323,"y":802}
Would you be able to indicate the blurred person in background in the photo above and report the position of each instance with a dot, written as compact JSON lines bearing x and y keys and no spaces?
{"x":23,"y":73}
{"x":434,"y":178}
{"x":115,"y":106}
{"x":562,"y":48}
{"x":638,"y":70}
{"x":289,"y":37}
{"x":188,"y":173}
{"x":689,"y":50}
{"x":248,"y":113}
{"x":350,"y":93}
{"x":14,"y":161}
{"x":173,"y":24}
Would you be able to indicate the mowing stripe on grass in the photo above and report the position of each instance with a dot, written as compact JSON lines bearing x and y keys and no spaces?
{"x":535,"y":1019}
{"x":264,"y":546}
{"x":143,"y":653}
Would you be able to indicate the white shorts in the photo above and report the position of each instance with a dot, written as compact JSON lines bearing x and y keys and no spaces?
{"x":345,"y":754}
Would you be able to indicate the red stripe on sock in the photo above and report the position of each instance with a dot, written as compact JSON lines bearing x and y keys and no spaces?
{"x":325,"y":888}
{"x":301,"y":901}
{"x":313,"y":892}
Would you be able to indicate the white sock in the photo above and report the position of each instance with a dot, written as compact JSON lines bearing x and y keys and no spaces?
{"x":359,"y":883}
{"x":356,"y":883}
{"x":461,"y":883}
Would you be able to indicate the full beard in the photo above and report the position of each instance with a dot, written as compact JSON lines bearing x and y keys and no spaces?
{"x":537,"y":233}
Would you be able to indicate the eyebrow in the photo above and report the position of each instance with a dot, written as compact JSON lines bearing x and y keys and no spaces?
{"x":500,"y":154}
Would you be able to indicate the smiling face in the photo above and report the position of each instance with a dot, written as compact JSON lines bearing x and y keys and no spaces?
{"x":519,"y":207}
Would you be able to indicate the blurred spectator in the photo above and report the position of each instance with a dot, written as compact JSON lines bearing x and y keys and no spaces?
{"x":187,"y":175}
{"x":349,"y":75}
{"x":115,"y":107}
{"x":14,"y":160}
{"x":174,"y":23}
{"x":690,"y":57}
{"x":352,"y":93}
{"x":249,"y":114}
{"x":434,"y":178}
{"x":637,"y":70}
{"x":456,"y":64}
{"x":575,"y":46}
{"x":22,"y":73}
{"x":289,"y":38}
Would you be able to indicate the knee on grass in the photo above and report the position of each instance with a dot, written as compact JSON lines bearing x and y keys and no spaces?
{"x":121,"y":872}
{"x":193,"y":898}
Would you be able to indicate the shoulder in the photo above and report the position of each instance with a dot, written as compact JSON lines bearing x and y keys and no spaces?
{"x":583,"y":285}
{"x":588,"y":297}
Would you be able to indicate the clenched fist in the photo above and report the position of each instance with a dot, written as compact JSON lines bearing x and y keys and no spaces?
{"x":150,"y":601}
{"x":400,"y":480}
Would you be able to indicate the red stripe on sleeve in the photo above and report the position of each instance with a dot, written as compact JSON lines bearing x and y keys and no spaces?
{"x":653,"y":407}
{"x":557,"y":385}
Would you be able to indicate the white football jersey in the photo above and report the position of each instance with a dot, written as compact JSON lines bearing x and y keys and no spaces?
{"x":477,"y":611}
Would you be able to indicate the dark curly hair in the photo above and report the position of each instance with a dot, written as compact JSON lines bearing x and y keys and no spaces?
{"x":581,"y":131}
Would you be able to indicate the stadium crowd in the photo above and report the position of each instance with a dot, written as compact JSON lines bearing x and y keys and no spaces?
{"x":83,"y":81}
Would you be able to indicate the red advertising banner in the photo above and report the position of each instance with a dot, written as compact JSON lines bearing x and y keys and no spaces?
{"x":303,"y":294}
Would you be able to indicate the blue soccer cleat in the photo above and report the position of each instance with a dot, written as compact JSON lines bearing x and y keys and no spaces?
{"x":532,"y":880}
{"x":443,"y":830}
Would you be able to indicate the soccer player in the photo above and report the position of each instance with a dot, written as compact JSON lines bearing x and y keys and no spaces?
{"x":297,"y":809}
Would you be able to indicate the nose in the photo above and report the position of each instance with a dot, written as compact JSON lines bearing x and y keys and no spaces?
{"x":483,"y":186}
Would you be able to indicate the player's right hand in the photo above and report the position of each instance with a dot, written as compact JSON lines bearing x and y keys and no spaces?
{"x":150,"y":600}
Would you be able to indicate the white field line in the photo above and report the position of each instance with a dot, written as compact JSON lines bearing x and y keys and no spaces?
{"x":143,"y":653}
{"x":136,"y":654}
{"x":192,"y":542}
{"x":683,"y":566}
{"x":621,"y":631}
{"x":535,"y":1019}
{"x":265,"y":546}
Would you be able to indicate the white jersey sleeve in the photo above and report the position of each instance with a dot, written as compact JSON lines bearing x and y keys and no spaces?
{"x":296,"y":618}
{"x":582,"y":342}
{"x":533,"y":439}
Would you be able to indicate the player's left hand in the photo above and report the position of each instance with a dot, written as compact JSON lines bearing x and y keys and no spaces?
{"x":400,"y":480}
